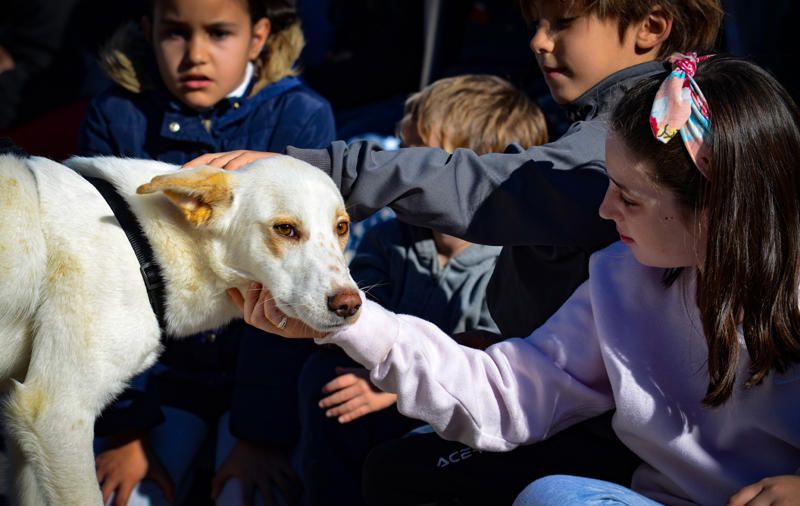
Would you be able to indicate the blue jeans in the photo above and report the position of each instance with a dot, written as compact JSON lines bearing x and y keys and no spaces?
{"x":558,"y":490}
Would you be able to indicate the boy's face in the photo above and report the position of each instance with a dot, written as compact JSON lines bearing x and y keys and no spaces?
{"x":575,"y":52}
{"x":202,"y":47}
{"x":648,"y":218}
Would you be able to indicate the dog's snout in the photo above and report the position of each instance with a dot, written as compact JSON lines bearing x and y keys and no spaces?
{"x":345,"y":303}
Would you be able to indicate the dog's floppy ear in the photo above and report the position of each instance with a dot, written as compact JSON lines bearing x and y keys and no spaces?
{"x":196,"y":192}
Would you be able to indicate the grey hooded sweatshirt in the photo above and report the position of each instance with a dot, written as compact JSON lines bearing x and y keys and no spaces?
{"x":540,"y":204}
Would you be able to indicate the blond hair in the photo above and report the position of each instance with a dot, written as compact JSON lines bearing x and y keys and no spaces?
{"x":695,"y":23}
{"x":481,"y":112}
{"x":279,"y":58}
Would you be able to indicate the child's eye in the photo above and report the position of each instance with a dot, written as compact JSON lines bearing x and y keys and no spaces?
{"x":626,"y":202}
{"x":563,"y":23}
{"x":219,"y":34}
{"x":175,"y":33}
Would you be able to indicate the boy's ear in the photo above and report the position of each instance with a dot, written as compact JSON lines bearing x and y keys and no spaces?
{"x":654,"y":30}
{"x":261,"y":31}
{"x":197,"y":193}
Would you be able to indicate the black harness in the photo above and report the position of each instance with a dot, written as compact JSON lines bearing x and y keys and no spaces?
{"x":151,"y":272}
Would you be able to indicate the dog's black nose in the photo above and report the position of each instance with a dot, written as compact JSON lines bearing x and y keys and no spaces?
{"x":345,"y":303}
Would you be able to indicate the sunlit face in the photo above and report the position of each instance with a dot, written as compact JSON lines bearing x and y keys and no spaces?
{"x":659,"y":232}
{"x":202,"y":47}
{"x":575,"y":52}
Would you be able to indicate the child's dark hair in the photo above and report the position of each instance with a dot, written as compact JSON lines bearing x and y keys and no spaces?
{"x":695,"y":23}
{"x":281,"y":13}
{"x":750,"y":202}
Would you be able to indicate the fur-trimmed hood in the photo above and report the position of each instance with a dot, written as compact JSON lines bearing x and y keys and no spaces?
{"x":128,"y":60}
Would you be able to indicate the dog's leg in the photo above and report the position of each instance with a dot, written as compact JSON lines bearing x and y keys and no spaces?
{"x":53,"y":432}
{"x":22,"y":484}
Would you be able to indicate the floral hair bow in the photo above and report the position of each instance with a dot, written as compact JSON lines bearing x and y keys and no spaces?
{"x":681,"y":107}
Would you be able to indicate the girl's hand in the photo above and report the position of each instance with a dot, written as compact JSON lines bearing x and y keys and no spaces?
{"x":229,"y":160}
{"x":260,"y":311}
{"x":352,"y":395}
{"x":778,"y":490}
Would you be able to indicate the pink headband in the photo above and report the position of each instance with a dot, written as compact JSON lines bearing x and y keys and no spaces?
{"x":681,"y":107}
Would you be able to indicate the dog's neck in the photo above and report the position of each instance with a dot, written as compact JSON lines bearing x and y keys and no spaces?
{"x":194,"y":277}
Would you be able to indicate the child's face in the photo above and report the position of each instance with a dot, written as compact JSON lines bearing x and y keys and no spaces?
{"x":648,"y":218}
{"x":577,"y":52}
{"x":203,"y":46}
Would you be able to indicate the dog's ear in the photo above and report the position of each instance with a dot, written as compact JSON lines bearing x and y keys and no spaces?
{"x":196,"y":192}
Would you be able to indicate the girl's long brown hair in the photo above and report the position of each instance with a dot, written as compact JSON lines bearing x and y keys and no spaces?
{"x":751,"y":273}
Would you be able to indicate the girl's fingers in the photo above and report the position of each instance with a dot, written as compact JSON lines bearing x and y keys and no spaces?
{"x":260,"y":310}
{"x":237,"y":298}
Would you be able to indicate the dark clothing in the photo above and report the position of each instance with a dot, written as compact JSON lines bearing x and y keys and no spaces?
{"x":540,"y":204}
{"x":398,"y":266}
{"x":424,"y":468}
{"x":332,"y":453}
{"x":7,"y":147}
{"x":153,"y":125}
{"x":31,"y":31}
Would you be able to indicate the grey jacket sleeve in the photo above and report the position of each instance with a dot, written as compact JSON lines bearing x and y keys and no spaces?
{"x":547,"y":195}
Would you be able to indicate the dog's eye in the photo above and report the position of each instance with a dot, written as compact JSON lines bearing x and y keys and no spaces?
{"x":342,"y":228}
{"x":285,"y":230}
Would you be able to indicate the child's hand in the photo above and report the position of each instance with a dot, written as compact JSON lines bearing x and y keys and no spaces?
{"x":121,"y":468}
{"x":259,"y":467}
{"x":260,"y":311}
{"x":774,"y":490}
{"x":353,"y":396}
{"x":230,"y":160}
{"x":6,"y":60}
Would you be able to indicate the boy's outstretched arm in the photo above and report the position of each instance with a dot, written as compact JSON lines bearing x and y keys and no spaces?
{"x":547,"y":195}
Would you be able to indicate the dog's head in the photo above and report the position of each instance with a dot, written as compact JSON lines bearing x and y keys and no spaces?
{"x":278,"y":221}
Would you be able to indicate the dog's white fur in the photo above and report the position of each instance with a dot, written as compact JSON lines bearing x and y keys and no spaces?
{"x":75,"y":320}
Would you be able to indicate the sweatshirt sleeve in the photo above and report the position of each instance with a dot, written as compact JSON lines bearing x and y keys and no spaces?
{"x":516,"y":392}
{"x":547,"y":195}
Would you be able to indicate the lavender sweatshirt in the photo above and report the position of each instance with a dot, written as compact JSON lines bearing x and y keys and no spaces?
{"x":623,"y":340}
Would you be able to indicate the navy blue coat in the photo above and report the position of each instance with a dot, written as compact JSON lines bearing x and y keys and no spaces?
{"x":154,"y":125}
{"x":238,"y":368}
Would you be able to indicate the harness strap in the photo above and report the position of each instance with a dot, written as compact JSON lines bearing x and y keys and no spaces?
{"x":151,"y":272}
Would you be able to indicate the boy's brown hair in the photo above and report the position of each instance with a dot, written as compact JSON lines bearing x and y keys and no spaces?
{"x":695,"y":23}
{"x":481,"y":112}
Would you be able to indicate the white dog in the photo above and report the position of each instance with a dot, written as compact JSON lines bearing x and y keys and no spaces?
{"x":75,"y":319}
